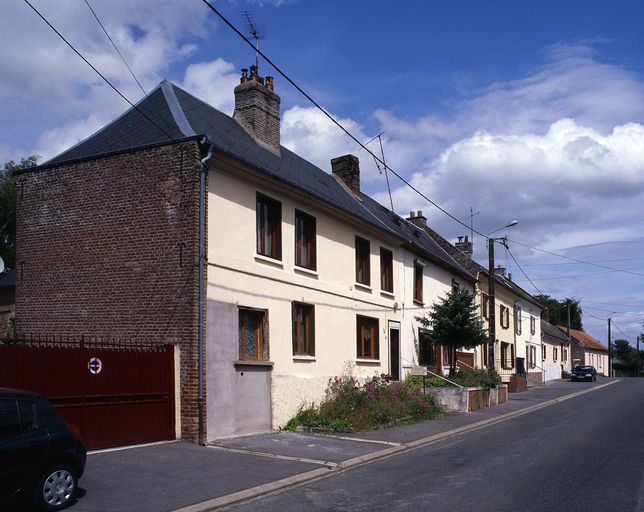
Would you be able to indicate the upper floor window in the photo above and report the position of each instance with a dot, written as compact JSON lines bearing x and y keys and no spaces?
{"x":517,"y":319}
{"x":386,"y":270}
{"x":485,"y":305}
{"x":363,"y":252}
{"x":418,"y":282}
{"x":533,"y":325}
{"x":303,"y":329}
{"x":253,"y":341}
{"x":543,"y":352}
{"x":505,"y":317}
{"x":269,"y":227}
{"x":455,"y":285}
{"x":554,"y":354}
{"x":304,"y":240}
{"x":367,"y":337}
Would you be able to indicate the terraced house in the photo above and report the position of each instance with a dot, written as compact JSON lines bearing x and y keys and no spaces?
{"x":179,"y":226}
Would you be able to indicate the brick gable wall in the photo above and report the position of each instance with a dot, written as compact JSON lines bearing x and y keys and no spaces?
{"x":109,"y":248}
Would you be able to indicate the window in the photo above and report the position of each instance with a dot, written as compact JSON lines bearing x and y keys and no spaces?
{"x":386,"y":270}
{"x":533,"y":356}
{"x":564,"y":352}
{"x":303,"y":329}
{"x":27,"y":415}
{"x":418,"y":282}
{"x":367,"y":337}
{"x":304,"y":240}
{"x":507,"y":355}
{"x":533,"y":325}
{"x":426,"y":353}
{"x":505,"y":317}
{"x":253,"y":342}
{"x":485,"y":305}
{"x":9,"y":419}
{"x":362,"y":261}
{"x":455,"y":285}
{"x":543,"y":352}
{"x":517,"y":319}
{"x":269,"y":227}
{"x":554,"y":354}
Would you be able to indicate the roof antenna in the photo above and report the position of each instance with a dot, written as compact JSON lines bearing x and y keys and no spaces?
{"x":384,"y":165}
{"x":255,"y":31}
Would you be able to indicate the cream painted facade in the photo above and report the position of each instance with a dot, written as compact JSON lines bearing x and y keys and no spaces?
{"x":528,"y":334}
{"x":555,"y":360}
{"x":599,"y":360}
{"x":237,"y":275}
{"x":437,"y":283}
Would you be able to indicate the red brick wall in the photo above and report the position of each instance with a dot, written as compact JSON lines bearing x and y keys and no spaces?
{"x":98,"y":253}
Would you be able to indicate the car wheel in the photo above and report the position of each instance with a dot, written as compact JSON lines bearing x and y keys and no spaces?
{"x":594,"y":379}
{"x":56,"y":488}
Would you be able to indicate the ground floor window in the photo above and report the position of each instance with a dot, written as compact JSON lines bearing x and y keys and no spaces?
{"x":253,"y":330}
{"x":507,"y":355}
{"x":303,"y":329}
{"x":426,"y":353}
{"x":532,"y":356}
{"x":543,"y":352}
{"x":367,"y":337}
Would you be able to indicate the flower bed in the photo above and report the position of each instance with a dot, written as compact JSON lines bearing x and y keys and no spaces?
{"x":351,"y":406}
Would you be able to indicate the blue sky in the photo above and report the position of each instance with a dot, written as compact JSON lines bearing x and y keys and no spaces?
{"x":531,"y":110}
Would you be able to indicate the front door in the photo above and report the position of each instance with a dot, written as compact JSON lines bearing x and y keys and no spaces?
{"x":394,"y":350}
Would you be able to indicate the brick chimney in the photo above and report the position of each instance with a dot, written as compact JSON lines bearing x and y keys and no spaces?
{"x":417,"y":219}
{"x":347,"y":169}
{"x":465,"y":246}
{"x":500,"y":271}
{"x":257,"y":109}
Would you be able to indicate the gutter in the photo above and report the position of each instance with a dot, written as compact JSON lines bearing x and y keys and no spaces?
{"x":203,"y":168}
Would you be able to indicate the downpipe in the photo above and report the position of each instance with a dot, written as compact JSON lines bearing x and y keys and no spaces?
{"x":203,"y":168}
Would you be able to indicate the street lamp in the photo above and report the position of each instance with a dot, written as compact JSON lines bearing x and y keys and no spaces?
{"x":491,"y":281}
{"x":610,"y":352}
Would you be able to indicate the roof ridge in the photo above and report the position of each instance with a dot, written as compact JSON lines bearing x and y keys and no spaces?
{"x":177,"y":112}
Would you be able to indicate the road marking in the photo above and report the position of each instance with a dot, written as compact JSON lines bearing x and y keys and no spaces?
{"x":358,"y":439}
{"x":320,"y":473}
{"x":131,"y":446}
{"x":273,"y":455}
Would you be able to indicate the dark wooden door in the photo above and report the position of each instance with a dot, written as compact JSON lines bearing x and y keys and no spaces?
{"x":394,"y":350}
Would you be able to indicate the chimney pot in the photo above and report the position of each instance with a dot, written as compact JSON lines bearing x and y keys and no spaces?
{"x":244,"y":77}
{"x":417,"y":219}
{"x":465,"y":246}
{"x":347,"y":169}
{"x":269,"y":83}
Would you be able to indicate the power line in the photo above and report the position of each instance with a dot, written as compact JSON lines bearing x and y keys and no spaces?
{"x":613,"y":304}
{"x":565,"y":263}
{"x":523,"y":272}
{"x":116,"y":48}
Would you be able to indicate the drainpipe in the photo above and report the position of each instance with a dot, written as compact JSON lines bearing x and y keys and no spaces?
{"x":203,"y":168}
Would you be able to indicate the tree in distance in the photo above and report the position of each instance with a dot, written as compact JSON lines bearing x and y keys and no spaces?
{"x":454,"y":323}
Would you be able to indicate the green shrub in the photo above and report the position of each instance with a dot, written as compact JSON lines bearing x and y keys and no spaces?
{"x":350,"y":406}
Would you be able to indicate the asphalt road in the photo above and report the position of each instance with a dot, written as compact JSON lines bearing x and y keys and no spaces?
{"x":583,"y":454}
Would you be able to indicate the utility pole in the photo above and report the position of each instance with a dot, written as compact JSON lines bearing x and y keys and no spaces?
{"x":568,"y":318}
{"x":491,"y":304}
{"x":637,"y":358}
{"x":610,"y":353}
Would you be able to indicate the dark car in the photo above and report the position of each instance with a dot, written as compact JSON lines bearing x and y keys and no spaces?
{"x":584,"y":373}
{"x":40,"y":459}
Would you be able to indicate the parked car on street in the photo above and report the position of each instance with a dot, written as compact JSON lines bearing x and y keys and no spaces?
{"x":40,"y":459}
{"x":584,"y":373}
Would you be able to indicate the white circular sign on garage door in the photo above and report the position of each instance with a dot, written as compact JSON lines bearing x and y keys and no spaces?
{"x":95,"y":365}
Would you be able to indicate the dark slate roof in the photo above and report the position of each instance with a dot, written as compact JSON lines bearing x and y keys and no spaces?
{"x":8,"y":279}
{"x":169,"y":113}
{"x":550,"y":333}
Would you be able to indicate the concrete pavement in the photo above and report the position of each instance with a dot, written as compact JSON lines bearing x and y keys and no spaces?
{"x":184,"y":476}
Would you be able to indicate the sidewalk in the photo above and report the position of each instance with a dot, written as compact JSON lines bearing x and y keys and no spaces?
{"x":181,"y":475}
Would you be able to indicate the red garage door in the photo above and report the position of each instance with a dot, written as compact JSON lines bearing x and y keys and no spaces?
{"x":116,"y":393}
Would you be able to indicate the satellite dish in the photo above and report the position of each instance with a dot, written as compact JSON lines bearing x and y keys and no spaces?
{"x":1,"y":265}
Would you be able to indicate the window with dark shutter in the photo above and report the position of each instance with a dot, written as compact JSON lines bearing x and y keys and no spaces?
{"x":362,"y":261}
{"x":303,"y":329}
{"x":269,"y":227}
{"x":418,"y":282}
{"x":305,"y":240}
{"x":426,"y":351}
{"x":386,"y":270}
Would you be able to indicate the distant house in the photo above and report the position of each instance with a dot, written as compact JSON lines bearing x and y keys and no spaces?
{"x":555,"y":352}
{"x":587,"y":350}
{"x":7,"y":303}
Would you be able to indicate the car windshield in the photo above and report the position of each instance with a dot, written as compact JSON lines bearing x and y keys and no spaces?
{"x":584,"y":369}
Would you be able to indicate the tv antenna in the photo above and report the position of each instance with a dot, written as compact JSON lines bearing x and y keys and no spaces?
{"x":384,"y":164}
{"x":471,"y":218}
{"x":255,"y":31}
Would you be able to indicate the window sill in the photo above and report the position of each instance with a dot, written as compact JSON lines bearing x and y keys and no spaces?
{"x":367,"y":361}
{"x":306,"y":271}
{"x":419,"y":303}
{"x":251,"y":362}
{"x":363,"y":287}
{"x":387,"y":294}
{"x":308,"y":359}
{"x":266,"y":259}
